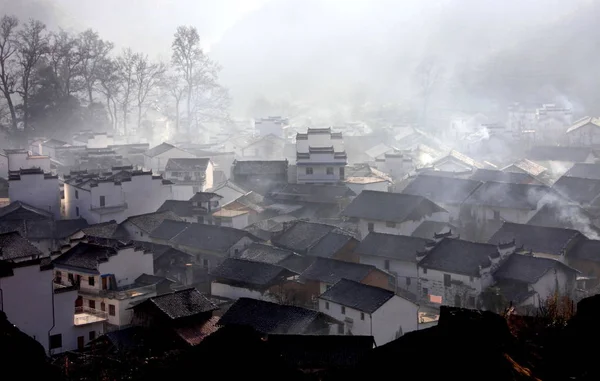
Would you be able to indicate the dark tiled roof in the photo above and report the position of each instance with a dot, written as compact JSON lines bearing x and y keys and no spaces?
{"x":66,"y":228}
{"x":14,"y":247}
{"x":555,"y":153}
{"x":503,"y":177}
{"x":580,"y":190}
{"x":184,"y":303}
{"x":156,"y":249}
{"x":357,"y":296}
{"x":204,"y":196}
{"x":150,"y":221}
{"x":565,"y":216}
{"x":442,"y":189}
{"x":20,"y":210}
{"x":331,"y":270}
{"x":159,"y":149}
{"x":248,"y":272}
{"x":398,"y":247}
{"x":428,"y":228}
{"x":301,"y":235}
{"x":584,"y":170}
{"x":297,"y":263}
{"x":101,"y":230}
{"x":260,"y":167}
{"x":330,"y":245}
{"x":179,"y":207}
{"x":510,"y":196}
{"x":457,"y":256}
{"x":210,"y":237}
{"x":187,"y":164}
{"x":85,"y":256}
{"x":168,"y":229}
{"x":537,"y":238}
{"x":259,"y":252}
{"x":528,"y":269}
{"x":393,"y":207}
{"x":312,"y":193}
{"x":588,"y":250}
{"x":267,"y":317}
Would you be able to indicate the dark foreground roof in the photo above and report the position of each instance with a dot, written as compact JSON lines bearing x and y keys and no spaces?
{"x":357,"y":296}
{"x":458,"y":256}
{"x":180,"y":304}
{"x":537,"y":238}
{"x":248,"y":272}
{"x":15,"y":247}
{"x":529,"y":269}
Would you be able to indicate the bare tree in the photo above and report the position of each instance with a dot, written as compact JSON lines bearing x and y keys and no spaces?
{"x":175,"y":89}
{"x":8,"y":48}
{"x":148,"y":75}
{"x":428,"y":74}
{"x":94,"y":52}
{"x":108,"y":83}
{"x":65,"y":58}
{"x":33,"y":45}
{"x":126,"y":64}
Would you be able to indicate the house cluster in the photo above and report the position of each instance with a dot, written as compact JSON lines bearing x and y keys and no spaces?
{"x":307,"y":232}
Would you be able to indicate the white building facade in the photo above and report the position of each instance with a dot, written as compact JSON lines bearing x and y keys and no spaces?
{"x":320,"y":157}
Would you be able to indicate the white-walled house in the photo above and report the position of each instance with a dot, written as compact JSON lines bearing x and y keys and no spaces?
{"x":237,"y":219}
{"x":101,"y":198}
{"x":320,"y":156}
{"x":106,"y":278}
{"x":156,"y":158}
{"x":36,"y":188}
{"x":189,"y":176}
{"x":584,"y":132}
{"x":392,"y":213}
{"x":272,"y":125}
{"x":22,"y":159}
{"x":368,"y":310}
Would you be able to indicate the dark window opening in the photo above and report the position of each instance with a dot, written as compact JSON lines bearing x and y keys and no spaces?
{"x":112,"y":310}
{"x":371,"y":227}
{"x":447,"y":280}
{"x":102,"y":201}
{"x":56,"y":341}
{"x":309,"y":170}
{"x":91,"y":281}
{"x":329,"y":170}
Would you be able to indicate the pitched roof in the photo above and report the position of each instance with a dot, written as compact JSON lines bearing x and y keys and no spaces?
{"x":181,"y":304}
{"x":210,"y":237}
{"x":259,"y":252}
{"x":588,"y":250}
{"x":455,"y":155}
{"x":537,"y":238}
{"x":20,"y":210}
{"x":150,"y":221}
{"x":527,"y":166}
{"x":358,"y":296}
{"x":204,"y":196}
{"x":159,"y":149}
{"x":528,"y":269}
{"x":251,"y":200}
{"x":441,"y":189}
{"x":187,"y":164}
{"x":15,"y":247}
{"x":510,"y":196}
{"x":299,"y":236}
{"x":331,"y":270}
{"x":330,"y":245}
{"x":101,"y":230}
{"x":580,"y":190}
{"x":168,"y":229}
{"x":267,"y":317}
{"x":503,"y":177}
{"x":248,"y":272}
{"x":316,"y":193}
{"x":66,"y":228}
{"x":584,"y":170}
{"x":85,"y":256}
{"x":559,"y":153}
{"x":393,"y":207}
{"x":458,"y":256}
{"x":588,"y":120}
{"x":260,"y":167}
{"x":397,"y":247}
{"x":428,"y":228}
{"x":181,"y":208}
{"x":565,"y":216}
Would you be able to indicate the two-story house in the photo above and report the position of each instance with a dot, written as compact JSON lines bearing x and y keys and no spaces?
{"x":139,"y":227}
{"x":320,"y":156}
{"x":368,"y":310}
{"x":105,"y":275}
{"x":199,"y":208}
{"x":260,"y":175}
{"x":156,"y":158}
{"x":189,"y":176}
{"x":392,"y":213}
{"x":36,"y":188}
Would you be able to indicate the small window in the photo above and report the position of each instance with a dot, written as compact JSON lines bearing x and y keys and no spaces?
{"x":343,"y":310}
{"x":141,"y":234}
{"x":407,"y":281}
{"x":58,"y":277}
{"x":371,"y":227}
{"x":496,"y":215}
{"x":56,"y":341}
{"x":309,"y":170}
{"x":112,"y":310}
{"x":386,"y":264}
{"x":200,"y":219}
{"x":214,"y":203}
{"x":425,"y":291}
{"x":342,"y":173}
{"x":92,"y":304}
{"x":340,"y":329}
{"x":471,"y":279}
{"x":447,"y":280}
{"x":205,"y":263}
{"x":424,"y":271}
{"x":326,"y":305}
{"x":390,"y":224}
{"x":102,"y":306}
{"x":76,"y":194}
{"x":77,"y":211}
{"x":91,"y":281}
{"x":92,"y":335}
{"x":471,"y":301}
{"x":362,"y":316}
{"x":329,"y":170}
{"x":102,"y":201}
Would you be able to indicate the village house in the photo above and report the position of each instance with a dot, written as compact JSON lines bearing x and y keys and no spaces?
{"x":392,"y":213}
{"x":237,"y":142}
{"x":447,"y":192}
{"x":48,"y":147}
{"x":260,"y":252}
{"x":199,"y":208}
{"x":559,"y":159}
{"x":368,"y":310}
{"x":268,"y":147}
{"x":139,"y":227}
{"x":429,"y":229}
{"x":551,"y":123}
{"x":32,"y":301}
{"x":229,"y":191}
{"x":132,"y":153}
{"x":268,"y":318}
{"x":105,"y":275}
{"x":240,"y":278}
{"x":36,"y":188}
{"x":583,"y":191}
{"x":102,"y":230}
{"x":394,"y":254}
{"x":232,"y":218}
{"x":397,"y":164}
{"x":272,"y":125}
{"x":529,"y":167}
{"x":310,"y":201}
{"x":584,"y":132}
{"x":456,"y":162}
{"x":156,"y":158}
{"x":566,"y":216}
{"x":261,"y":176}
{"x":362,"y":177}
{"x":252,"y":203}
{"x":93,"y":139}
{"x":21,"y":159}
{"x":484,"y":175}
{"x":320,"y":156}
{"x":189,"y":176}
{"x":584,"y":257}
{"x":113,"y":196}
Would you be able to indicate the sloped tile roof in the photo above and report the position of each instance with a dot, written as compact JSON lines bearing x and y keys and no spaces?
{"x":391,"y":246}
{"x":529,"y":269}
{"x":358,"y":296}
{"x":537,"y":238}
{"x":248,"y":272}
{"x":442,"y":189}
{"x":181,"y":304}
{"x":14,"y":247}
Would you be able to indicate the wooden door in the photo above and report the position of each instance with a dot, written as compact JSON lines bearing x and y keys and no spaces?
{"x":104,"y":283}
{"x":80,"y":342}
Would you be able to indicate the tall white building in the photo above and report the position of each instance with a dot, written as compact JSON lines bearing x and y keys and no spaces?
{"x":272,"y":125}
{"x":36,"y":188}
{"x":320,"y":156}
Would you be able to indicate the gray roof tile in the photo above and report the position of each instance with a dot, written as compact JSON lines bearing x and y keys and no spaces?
{"x":528,"y":269}
{"x":358,"y":296}
{"x":181,"y":304}
{"x":439,"y":189}
{"x":537,"y":238}
{"x":249,"y":272}
{"x":391,"y":246}
{"x":458,"y":256}
{"x":331,"y":270}
{"x":14,"y":247}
